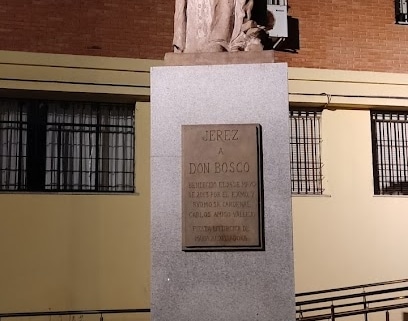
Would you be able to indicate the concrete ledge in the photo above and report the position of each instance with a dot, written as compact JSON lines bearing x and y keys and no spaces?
{"x":218,"y":58}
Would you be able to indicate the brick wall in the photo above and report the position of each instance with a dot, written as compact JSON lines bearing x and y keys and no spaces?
{"x":117,"y":28}
{"x":342,"y":34}
{"x":352,"y":35}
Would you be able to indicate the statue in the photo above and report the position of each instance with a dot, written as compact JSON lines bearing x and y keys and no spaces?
{"x":216,"y":26}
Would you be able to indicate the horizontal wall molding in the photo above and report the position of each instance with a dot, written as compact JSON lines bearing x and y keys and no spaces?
{"x":75,"y":74}
{"x":347,"y":89}
{"x":125,"y":78}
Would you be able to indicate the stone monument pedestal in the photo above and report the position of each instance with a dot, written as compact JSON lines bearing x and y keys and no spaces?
{"x":220,"y":285}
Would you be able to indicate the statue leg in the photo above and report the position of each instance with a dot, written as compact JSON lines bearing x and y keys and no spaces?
{"x":180,"y":22}
{"x":249,"y":5}
{"x":222,"y":25}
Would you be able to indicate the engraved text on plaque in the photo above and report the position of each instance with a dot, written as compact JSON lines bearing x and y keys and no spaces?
{"x":222,"y":187}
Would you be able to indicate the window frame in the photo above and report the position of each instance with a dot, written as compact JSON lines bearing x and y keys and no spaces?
{"x":389,"y":136}
{"x":305,"y":150}
{"x":35,"y":169}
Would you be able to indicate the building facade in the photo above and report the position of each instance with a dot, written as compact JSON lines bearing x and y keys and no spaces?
{"x":70,"y":250}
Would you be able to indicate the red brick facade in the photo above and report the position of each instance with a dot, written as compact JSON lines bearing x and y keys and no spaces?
{"x":351,"y":35}
{"x":114,"y":28}
{"x":342,"y":34}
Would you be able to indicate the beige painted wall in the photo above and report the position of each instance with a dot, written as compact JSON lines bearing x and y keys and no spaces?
{"x":74,"y":252}
{"x":349,"y":236}
{"x":63,"y":252}
{"x":78,"y":251}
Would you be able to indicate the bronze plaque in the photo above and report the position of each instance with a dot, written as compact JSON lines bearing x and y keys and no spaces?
{"x":222,"y":200}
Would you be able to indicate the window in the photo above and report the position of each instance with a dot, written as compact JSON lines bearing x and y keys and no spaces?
{"x":401,"y":11}
{"x":277,"y":2}
{"x":60,"y":146}
{"x":390,"y":152}
{"x":305,"y":162}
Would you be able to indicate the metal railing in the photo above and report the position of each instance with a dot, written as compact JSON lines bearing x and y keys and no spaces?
{"x":101,"y":313}
{"x":354,"y":300}
{"x":310,"y":306}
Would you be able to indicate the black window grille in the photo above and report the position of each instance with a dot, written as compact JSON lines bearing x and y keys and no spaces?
{"x":305,"y":162}
{"x":401,"y":11}
{"x":277,"y":2}
{"x":61,"y":146}
{"x":389,"y":132}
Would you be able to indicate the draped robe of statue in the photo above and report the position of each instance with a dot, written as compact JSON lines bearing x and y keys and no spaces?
{"x":207,"y":25}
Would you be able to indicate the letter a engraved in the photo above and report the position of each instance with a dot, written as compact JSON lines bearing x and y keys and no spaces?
{"x":221,"y":152}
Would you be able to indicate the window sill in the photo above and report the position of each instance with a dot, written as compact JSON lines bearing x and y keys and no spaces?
{"x":390,"y":195}
{"x":311,"y":195}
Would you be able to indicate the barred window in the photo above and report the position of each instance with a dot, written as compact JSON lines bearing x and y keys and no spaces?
{"x":389,"y":132}
{"x":305,"y":162}
{"x":401,"y":11}
{"x":61,"y":146}
{"x":277,"y":2}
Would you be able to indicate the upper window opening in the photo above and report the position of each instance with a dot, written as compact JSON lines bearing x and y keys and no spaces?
{"x":277,"y":2}
{"x":401,"y":11}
